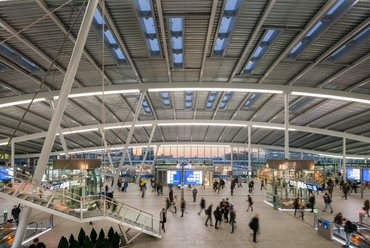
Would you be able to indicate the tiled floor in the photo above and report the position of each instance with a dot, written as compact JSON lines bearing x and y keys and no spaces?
{"x":278,"y":229}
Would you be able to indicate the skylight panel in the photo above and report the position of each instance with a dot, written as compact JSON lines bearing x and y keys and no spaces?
{"x":226,"y":99}
{"x":300,"y":104}
{"x":110,"y":41}
{"x":227,"y":22}
{"x":211,"y":99}
{"x":188,"y":99}
{"x":146,"y":107}
{"x":251,"y":100}
{"x":362,"y":33}
{"x":267,"y":40}
{"x":341,"y":7}
{"x":19,"y":59}
{"x":177,"y":42}
{"x":165,"y":96}
{"x":148,"y":27}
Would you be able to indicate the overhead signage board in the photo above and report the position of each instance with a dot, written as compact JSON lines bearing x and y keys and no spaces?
{"x":174,"y":177}
{"x":193,"y":177}
{"x":353,"y":174}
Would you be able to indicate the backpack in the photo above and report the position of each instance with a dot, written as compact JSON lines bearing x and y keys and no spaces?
{"x":350,"y":227}
{"x":251,"y":225}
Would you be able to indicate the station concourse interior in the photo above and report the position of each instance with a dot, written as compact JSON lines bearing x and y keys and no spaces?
{"x":146,"y":87}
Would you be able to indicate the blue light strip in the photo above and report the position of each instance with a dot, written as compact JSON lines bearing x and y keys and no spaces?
{"x":148,"y":27}
{"x":110,"y":41}
{"x":19,"y":59}
{"x":341,"y":7}
{"x":262,"y":48}
{"x":227,"y":22}
{"x":177,"y":42}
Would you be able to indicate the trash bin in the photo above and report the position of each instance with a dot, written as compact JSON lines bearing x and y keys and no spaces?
{"x":275,"y":206}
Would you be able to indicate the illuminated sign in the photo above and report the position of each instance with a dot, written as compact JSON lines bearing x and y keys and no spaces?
{"x":366,"y":175}
{"x":353,"y":174}
{"x":173,"y":177}
{"x":193,"y":177}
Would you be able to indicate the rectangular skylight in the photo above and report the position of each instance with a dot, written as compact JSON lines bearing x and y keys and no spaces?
{"x":226,"y":99}
{"x":110,"y":41}
{"x":226,"y":25}
{"x":177,"y":42}
{"x":341,"y":7}
{"x":165,"y":97}
{"x":251,"y":100}
{"x":211,"y":99}
{"x":188,"y":99}
{"x":267,"y":40}
{"x":146,"y":107}
{"x":300,"y":104}
{"x":148,"y":27}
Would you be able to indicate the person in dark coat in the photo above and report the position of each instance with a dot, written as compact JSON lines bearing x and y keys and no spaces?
{"x":37,"y":244}
{"x":254,"y":225}
{"x":311,"y":200}
{"x":15,"y":213}
{"x":209,"y":215}
{"x":163,"y":218}
{"x":170,"y":195}
{"x":366,"y":207}
{"x":218,"y":215}
{"x":182,"y":207}
{"x":202,"y":205}
{"x":296,"y":205}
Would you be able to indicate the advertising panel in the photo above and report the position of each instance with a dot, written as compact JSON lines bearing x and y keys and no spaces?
{"x":353,"y":174}
{"x":173,"y":177}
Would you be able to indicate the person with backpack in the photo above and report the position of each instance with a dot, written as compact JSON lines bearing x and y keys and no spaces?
{"x":195,"y":192}
{"x":349,"y":228}
{"x":327,"y":201}
{"x":254,"y":225}
{"x":15,"y":213}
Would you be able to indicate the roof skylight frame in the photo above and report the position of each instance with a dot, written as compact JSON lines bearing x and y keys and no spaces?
{"x":166,"y":99}
{"x":251,"y":100}
{"x":176,"y":41}
{"x":19,"y":59}
{"x":300,"y":104}
{"x":146,"y":107}
{"x":188,"y":99}
{"x":265,"y":43}
{"x":146,"y":18}
{"x":229,"y":15}
{"x":4,"y":68}
{"x":225,"y":100}
{"x":110,"y":41}
{"x":211,"y":98}
{"x":339,"y":9}
{"x":358,"y":40}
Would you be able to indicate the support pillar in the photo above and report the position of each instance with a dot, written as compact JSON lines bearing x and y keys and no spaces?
{"x":107,"y":150}
{"x":12,"y":161}
{"x":128,"y":140}
{"x":59,"y":110}
{"x":344,"y":159}
{"x":61,"y":136}
{"x":146,"y":152}
{"x":286,"y":122}
{"x":249,"y":150}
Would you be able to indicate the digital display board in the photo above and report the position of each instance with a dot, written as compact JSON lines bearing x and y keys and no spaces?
{"x":193,"y":177}
{"x":353,"y":174}
{"x":366,"y":175}
{"x":4,"y":174}
{"x":311,"y":187}
{"x":174,"y":177}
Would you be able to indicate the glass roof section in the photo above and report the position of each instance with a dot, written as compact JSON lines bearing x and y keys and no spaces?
{"x":225,"y":99}
{"x":148,"y":27}
{"x":267,"y":40}
{"x":300,"y":104}
{"x":19,"y":59}
{"x":176,"y":41}
{"x":165,"y":96}
{"x":211,"y":99}
{"x":188,"y":99}
{"x":341,"y":7}
{"x":146,"y":108}
{"x":251,"y":100}
{"x":227,"y":22}
{"x":110,"y":42}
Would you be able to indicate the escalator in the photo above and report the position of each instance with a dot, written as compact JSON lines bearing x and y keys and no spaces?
{"x":8,"y":230}
{"x":81,"y":208}
{"x":360,"y":238}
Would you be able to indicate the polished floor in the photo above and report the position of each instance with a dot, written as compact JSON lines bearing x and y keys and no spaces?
{"x":277,"y":228}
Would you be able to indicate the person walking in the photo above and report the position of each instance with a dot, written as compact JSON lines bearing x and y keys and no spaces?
{"x":37,"y":244}
{"x":163,"y":218}
{"x":311,"y":200}
{"x":143,"y":189}
{"x":232,"y":220}
{"x":16,"y":212}
{"x":218,"y":215}
{"x":296,"y":205}
{"x":125,"y":186}
{"x":202,"y":205}
{"x":345,"y":191}
{"x":250,"y":203}
{"x":349,"y":228}
{"x":366,"y":207}
{"x":195,"y":192}
{"x":174,"y":204}
{"x":327,"y":201}
{"x":170,"y":195}
{"x":254,"y":225}
{"x":182,"y":207}
{"x":209,"y":215}
{"x":302,"y":207}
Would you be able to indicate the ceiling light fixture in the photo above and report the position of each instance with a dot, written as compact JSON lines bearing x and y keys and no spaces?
{"x":216,"y":89}
{"x":81,"y":131}
{"x":21,"y":102}
{"x":350,"y":99}
{"x":203,"y":124}
{"x":270,"y":127}
{"x":128,"y":126}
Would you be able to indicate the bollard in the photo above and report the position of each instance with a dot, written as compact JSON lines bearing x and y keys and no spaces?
{"x":5,"y":215}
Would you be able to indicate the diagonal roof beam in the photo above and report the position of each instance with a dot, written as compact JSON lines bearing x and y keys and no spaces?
{"x":9,"y":87}
{"x":241,"y":105}
{"x":164,"y":41}
{"x":365,"y":113}
{"x":329,"y":4}
{"x":209,"y":34}
{"x":252,"y":38}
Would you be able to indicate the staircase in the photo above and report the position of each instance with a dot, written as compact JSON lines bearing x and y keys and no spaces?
{"x":81,"y":208}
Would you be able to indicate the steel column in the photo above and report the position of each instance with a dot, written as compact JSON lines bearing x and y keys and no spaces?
{"x":12,"y":155}
{"x":128,"y":140}
{"x":57,"y":116}
{"x":286,"y":122}
{"x":146,"y":152}
{"x":107,"y":150}
{"x":344,"y":158}
{"x":249,"y":149}
{"x":61,"y":136}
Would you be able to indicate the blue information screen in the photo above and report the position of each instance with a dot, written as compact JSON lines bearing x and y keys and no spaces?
{"x":4,"y":174}
{"x":353,"y":174}
{"x":193,"y":177}
{"x":174,"y":177}
{"x":366,"y":175}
